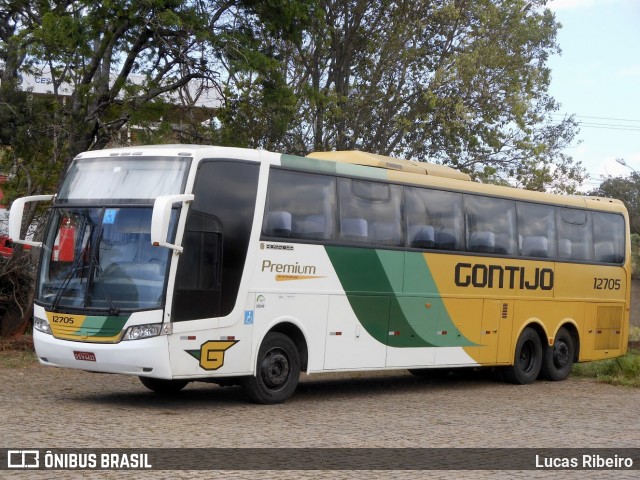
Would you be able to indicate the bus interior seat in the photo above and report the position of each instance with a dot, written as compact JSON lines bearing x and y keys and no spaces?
{"x":278,"y":224}
{"x":483,"y":242}
{"x":564,"y":248}
{"x":605,"y":252}
{"x":579,"y":250}
{"x":503,"y":244}
{"x":354,"y":229}
{"x":132,"y":221}
{"x":387,"y":233}
{"x":536,"y":246}
{"x":134,"y":270}
{"x":421,"y":236}
{"x":312,"y":226}
{"x":445,"y":239}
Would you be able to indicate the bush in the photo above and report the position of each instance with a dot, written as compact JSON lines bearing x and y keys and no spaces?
{"x":616,"y":371}
{"x":16,"y":293}
{"x":635,"y":254}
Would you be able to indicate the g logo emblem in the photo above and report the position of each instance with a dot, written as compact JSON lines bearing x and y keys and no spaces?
{"x":212,"y":353}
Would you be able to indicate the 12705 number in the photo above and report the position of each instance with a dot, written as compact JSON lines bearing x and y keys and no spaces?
{"x":606,"y":283}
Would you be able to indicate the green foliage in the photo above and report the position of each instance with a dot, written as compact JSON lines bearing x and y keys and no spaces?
{"x":122,"y":62}
{"x":33,"y":155}
{"x":131,"y":62}
{"x":10,"y":358}
{"x":635,"y":254}
{"x":626,"y":189}
{"x":617,"y":371}
{"x":461,"y":83}
{"x":623,"y":370}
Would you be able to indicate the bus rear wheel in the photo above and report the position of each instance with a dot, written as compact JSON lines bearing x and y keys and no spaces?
{"x":527,"y":359}
{"x":159,"y":385}
{"x":277,"y":370}
{"x":558,"y":359}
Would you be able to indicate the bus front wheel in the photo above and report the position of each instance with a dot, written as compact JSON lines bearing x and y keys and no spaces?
{"x":558,"y":359}
{"x":159,"y":385}
{"x":527,"y":359}
{"x":277,"y":370}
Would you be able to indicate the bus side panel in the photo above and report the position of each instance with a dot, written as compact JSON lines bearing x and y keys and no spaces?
{"x":348,"y":344}
{"x":550,"y":315}
{"x":199,"y":350}
{"x":605,"y":333}
{"x":307,"y":312}
{"x":592,"y":283}
{"x":494,"y":341}
{"x":604,"y":294}
{"x":442,"y":327}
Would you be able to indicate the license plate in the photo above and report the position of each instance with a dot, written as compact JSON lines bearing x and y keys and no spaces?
{"x":86,"y":356}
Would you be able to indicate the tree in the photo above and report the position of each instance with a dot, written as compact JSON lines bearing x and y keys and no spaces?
{"x":626,"y":189}
{"x":112,"y":63}
{"x":117,"y":60}
{"x":459,"y":82}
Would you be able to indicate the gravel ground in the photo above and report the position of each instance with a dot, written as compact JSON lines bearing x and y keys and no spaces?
{"x":55,"y":408}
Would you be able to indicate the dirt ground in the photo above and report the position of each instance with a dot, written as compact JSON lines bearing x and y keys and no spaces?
{"x":59,"y":408}
{"x":67,"y":408}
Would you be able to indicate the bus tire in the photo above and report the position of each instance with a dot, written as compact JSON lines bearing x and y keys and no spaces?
{"x":527,"y":360}
{"x":277,"y":371}
{"x":161,"y":386}
{"x":557,"y":360}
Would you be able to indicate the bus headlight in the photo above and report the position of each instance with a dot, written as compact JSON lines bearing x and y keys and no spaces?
{"x":41,"y":325}
{"x":138,"y":332}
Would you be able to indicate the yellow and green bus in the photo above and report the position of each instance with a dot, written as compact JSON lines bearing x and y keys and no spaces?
{"x":180,"y":263}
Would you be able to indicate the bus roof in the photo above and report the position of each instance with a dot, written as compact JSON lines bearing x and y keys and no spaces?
{"x":369,"y":165}
{"x":380,"y":161}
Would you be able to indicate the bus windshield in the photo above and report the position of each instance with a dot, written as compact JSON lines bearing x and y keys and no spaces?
{"x":102,"y":259}
{"x":123,"y":179}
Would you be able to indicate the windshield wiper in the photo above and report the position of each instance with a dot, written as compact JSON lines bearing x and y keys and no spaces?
{"x":78,"y":264}
{"x":113,"y":311}
{"x":75,"y":266}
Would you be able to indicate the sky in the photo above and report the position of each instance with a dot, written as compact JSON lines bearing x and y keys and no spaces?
{"x":597,"y":79}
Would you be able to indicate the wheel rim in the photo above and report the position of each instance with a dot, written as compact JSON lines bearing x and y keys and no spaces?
{"x":527,"y":357}
{"x":275,"y":368}
{"x":560,"y":354}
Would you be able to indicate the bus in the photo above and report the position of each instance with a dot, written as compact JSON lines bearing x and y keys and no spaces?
{"x":181,"y":263}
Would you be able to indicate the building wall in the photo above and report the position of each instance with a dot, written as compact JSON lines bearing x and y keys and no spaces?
{"x":635,"y":302}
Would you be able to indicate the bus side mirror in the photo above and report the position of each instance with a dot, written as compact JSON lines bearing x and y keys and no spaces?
{"x":161,"y":217}
{"x":15,"y":218}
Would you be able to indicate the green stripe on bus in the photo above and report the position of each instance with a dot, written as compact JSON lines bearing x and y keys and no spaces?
{"x":103,"y":326}
{"x":374,"y":282}
{"x":310,"y":164}
{"x":327,"y":166}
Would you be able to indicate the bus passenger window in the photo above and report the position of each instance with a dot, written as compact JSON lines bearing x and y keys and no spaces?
{"x":608,"y":237}
{"x":370,"y":212}
{"x":354,"y":229}
{"x":278,"y":224}
{"x":421,"y":236}
{"x":483,"y":242}
{"x":434,"y":219}
{"x":537,"y":231}
{"x":490,"y":225}
{"x":575,"y":241}
{"x":300,"y":205}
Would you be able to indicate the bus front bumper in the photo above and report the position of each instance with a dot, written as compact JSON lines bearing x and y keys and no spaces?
{"x":147,"y":357}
